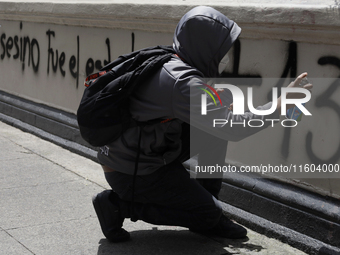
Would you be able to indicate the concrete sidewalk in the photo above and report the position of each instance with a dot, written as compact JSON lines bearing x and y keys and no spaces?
{"x":45,"y":208}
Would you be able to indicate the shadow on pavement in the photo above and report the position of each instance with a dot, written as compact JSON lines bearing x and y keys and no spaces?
{"x":170,"y":242}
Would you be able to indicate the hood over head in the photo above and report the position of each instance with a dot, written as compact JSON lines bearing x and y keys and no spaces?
{"x":202,"y":38}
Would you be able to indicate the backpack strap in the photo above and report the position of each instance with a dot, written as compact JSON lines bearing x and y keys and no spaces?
{"x":91,"y":78}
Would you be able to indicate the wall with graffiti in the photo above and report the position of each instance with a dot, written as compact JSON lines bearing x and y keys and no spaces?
{"x":47,"y":63}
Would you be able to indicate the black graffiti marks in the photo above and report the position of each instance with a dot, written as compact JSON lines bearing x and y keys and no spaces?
{"x":73,"y":63}
{"x":290,"y":71}
{"x":27,"y":50}
{"x":55,"y":60}
{"x":132,"y":42}
{"x":51,"y":54}
{"x":20,"y":47}
{"x":324,"y":100}
{"x":91,"y":65}
{"x":241,"y":79}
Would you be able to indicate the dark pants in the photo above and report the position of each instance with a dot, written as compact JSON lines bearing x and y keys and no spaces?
{"x":169,"y":196}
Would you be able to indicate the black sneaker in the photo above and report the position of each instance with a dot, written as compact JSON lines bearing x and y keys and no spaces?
{"x":111,"y":222}
{"x":229,"y":229}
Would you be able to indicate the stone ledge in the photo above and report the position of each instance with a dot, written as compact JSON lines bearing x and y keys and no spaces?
{"x":271,"y":20}
{"x":56,"y":122}
{"x":286,"y":205}
{"x":296,"y":239}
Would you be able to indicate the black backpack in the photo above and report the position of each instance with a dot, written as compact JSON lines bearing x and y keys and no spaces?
{"x":103,"y":114}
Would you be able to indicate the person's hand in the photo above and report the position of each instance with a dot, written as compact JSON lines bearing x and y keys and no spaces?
{"x":295,"y":84}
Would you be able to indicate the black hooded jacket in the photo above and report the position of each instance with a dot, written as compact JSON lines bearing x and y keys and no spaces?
{"x":202,"y":37}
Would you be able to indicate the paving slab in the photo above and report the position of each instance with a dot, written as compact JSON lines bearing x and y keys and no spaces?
{"x":11,"y":246}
